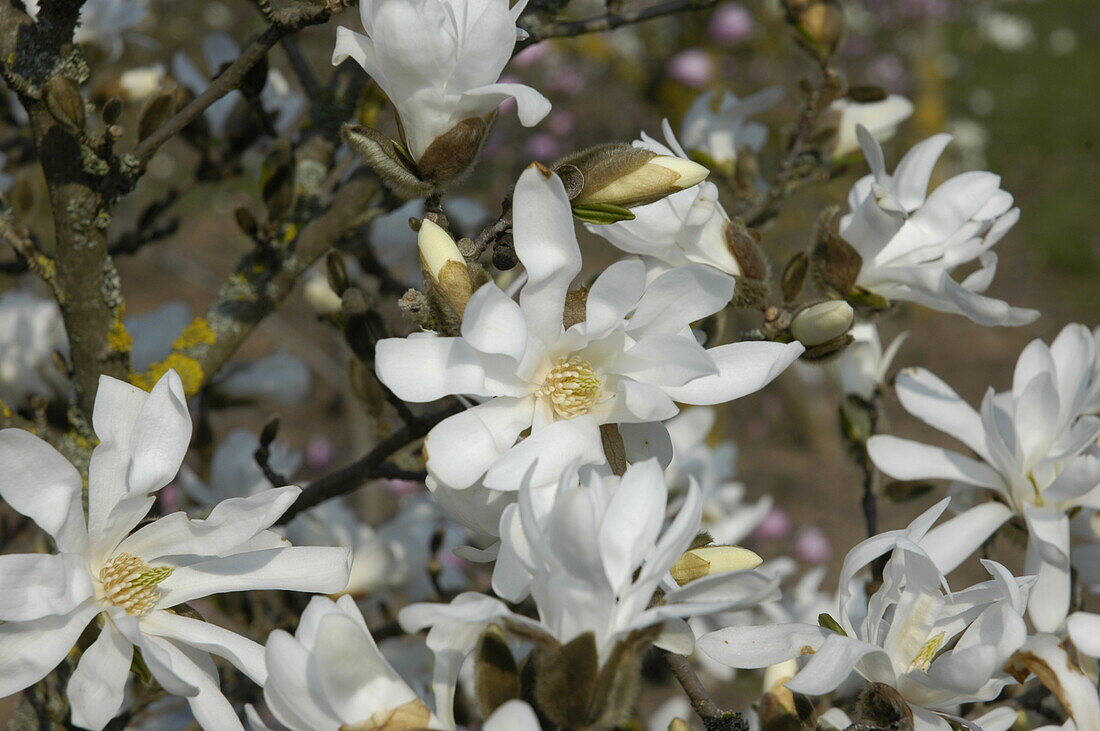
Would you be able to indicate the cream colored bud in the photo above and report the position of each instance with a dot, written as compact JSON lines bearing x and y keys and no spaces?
{"x":678,"y":724}
{"x":445,"y":265}
{"x":709,"y":560}
{"x":822,"y":322}
{"x":660,"y":176}
{"x":775,"y":679}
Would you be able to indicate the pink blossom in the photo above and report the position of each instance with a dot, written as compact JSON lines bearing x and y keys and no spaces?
{"x":693,"y":67}
{"x":730,"y":24}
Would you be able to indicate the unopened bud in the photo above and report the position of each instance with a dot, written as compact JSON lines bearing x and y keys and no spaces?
{"x":820,"y":23}
{"x":65,"y":102}
{"x":710,"y":560}
{"x":822,"y":322}
{"x":626,"y":176}
{"x":775,"y":679}
{"x":678,"y":724}
{"x":444,"y":265}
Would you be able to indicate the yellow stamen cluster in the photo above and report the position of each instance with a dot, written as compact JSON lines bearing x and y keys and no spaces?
{"x":572,"y":387}
{"x":927,"y":653}
{"x":130,"y":583}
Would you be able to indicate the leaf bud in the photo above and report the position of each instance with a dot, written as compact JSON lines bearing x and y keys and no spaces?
{"x":444,"y":266}
{"x":710,"y":560}
{"x":65,"y":102}
{"x":820,"y":323}
{"x":625,"y":176}
{"x":819,"y":23}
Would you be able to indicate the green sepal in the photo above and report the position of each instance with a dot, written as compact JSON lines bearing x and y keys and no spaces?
{"x":866,"y":299}
{"x":824,"y":620}
{"x":602,"y":213}
{"x":139,"y":668}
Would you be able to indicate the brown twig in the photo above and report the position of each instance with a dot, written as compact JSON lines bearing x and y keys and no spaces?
{"x":283,"y":23}
{"x":373,"y":466}
{"x":712,"y":716}
{"x":540,"y":31}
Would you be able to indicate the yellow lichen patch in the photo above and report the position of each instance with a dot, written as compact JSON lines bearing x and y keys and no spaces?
{"x":188,"y":369}
{"x":118,"y":339}
{"x":197,"y":333}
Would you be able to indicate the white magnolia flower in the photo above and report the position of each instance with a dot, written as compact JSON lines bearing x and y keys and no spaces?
{"x":130,"y":581}
{"x":1045,"y":655}
{"x":726,"y":515}
{"x":138,"y":84}
{"x":719,"y":126}
{"x":863,"y":366}
{"x":897,"y":636}
{"x":31,"y":330}
{"x":103,"y":22}
{"x":685,"y":227}
{"x":234,"y":471}
{"x":630,"y":361}
{"x":278,"y":97}
{"x":1035,"y":455}
{"x":910,"y":242}
{"x":881,"y":118}
{"x":329,"y":675}
{"x":439,"y":61}
{"x":591,"y":554}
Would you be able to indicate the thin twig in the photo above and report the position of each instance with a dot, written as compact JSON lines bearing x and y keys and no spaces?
{"x":568,"y":28}
{"x":713,"y":717}
{"x":372,"y":466}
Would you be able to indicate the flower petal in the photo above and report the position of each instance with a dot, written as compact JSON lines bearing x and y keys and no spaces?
{"x":97,"y":687}
{"x":531,"y":106}
{"x":41,"y":484}
{"x":932,"y":401}
{"x":493,"y":323}
{"x":743,"y":368}
{"x":30,"y":650}
{"x":290,"y":690}
{"x":296,"y":568}
{"x":424,"y":367}
{"x":546,"y":243}
{"x":681,"y":296}
{"x":761,"y":646}
{"x":246,"y":655}
{"x":37,"y":585}
{"x":952,"y":542}
{"x":462,"y":447}
{"x":904,"y":459}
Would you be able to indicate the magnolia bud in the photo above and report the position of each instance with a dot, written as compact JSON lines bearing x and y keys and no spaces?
{"x":621,"y":175}
{"x":65,"y":102}
{"x":820,"y":23}
{"x":444,"y":265}
{"x":709,"y":560}
{"x":822,"y":322}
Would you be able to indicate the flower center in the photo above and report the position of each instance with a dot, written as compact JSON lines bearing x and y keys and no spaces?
{"x":928,"y":651}
{"x":572,"y":387}
{"x":130,"y":583}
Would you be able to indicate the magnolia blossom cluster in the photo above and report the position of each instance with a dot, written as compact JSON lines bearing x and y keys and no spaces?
{"x":572,"y":520}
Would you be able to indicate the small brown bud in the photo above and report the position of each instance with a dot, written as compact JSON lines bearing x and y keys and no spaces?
{"x":835,"y":263}
{"x":278,"y":185}
{"x":246,"y":221}
{"x":112,"y":110}
{"x":159,"y":110}
{"x":794,"y":275}
{"x":819,"y":23}
{"x":337,"y":272}
{"x":65,"y":102}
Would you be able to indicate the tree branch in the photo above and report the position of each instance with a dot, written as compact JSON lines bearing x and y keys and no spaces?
{"x":372,"y":466}
{"x":283,"y":22}
{"x":540,"y":31}
{"x":713,"y":717}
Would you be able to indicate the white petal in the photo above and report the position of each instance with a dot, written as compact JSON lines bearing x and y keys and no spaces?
{"x":30,"y":650}
{"x":1084,"y":630}
{"x":1048,"y":556}
{"x":41,"y":484}
{"x":612,"y":296}
{"x":493,"y":323}
{"x":230,"y":524}
{"x":831,"y":665}
{"x":914,"y":171}
{"x":291,"y":691}
{"x":550,"y":451}
{"x":681,"y":296}
{"x":932,"y":401}
{"x":211,"y":709}
{"x":904,"y":459}
{"x":955,"y":540}
{"x":515,"y":715}
{"x":531,"y":106}
{"x":743,"y":368}
{"x":40,"y":584}
{"x":356,"y":679}
{"x":98,"y":685}
{"x":546,"y":244}
{"x":632,"y":521}
{"x":160,"y":437}
{"x":424,"y":367}
{"x":297,"y":568}
{"x":666,"y":359}
{"x":761,"y":646}
{"x":1072,"y":687}
{"x":462,"y":447}
{"x":246,"y":655}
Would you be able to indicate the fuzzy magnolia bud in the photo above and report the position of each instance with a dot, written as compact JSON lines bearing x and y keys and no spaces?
{"x":65,"y":102}
{"x":709,"y":560}
{"x":444,"y":265}
{"x":626,"y":176}
{"x":822,"y":322}
{"x":820,"y":24}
